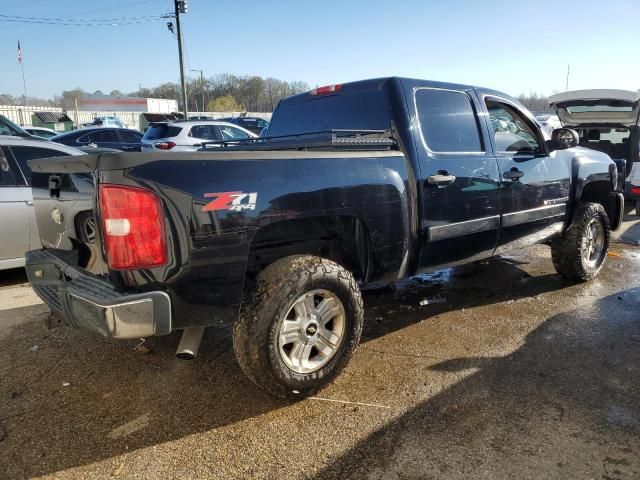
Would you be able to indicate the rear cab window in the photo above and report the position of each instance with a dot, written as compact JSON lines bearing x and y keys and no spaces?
{"x":357,"y":109}
{"x":156,"y":132}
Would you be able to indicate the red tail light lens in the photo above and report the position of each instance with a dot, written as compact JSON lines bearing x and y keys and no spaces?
{"x":635,"y":190}
{"x":326,"y":90}
{"x":132,"y":227}
{"x":164,"y":145}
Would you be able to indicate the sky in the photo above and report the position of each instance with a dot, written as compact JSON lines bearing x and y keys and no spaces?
{"x":516,"y":46}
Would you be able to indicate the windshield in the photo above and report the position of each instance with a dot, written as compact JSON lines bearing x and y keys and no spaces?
{"x":7,"y":127}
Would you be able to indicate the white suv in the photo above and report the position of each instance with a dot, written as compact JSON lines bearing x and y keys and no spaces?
{"x":188,"y":136}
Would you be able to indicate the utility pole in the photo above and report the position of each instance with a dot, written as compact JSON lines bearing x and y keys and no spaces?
{"x":181,"y":7}
{"x":201,"y":87}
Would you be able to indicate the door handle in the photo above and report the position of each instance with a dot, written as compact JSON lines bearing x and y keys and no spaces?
{"x":441,"y":178}
{"x":29,"y":203}
{"x":513,"y":174}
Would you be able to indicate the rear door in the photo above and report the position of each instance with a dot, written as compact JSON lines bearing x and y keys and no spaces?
{"x":534,"y":185}
{"x":14,"y":231}
{"x":207,"y":132}
{"x":459,"y":185}
{"x":131,"y":140}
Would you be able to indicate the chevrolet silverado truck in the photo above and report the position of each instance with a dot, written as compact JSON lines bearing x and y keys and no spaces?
{"x":355,"y":184}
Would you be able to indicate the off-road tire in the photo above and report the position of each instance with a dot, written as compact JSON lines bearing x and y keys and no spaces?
{"x":638,"y":207}
{"x":567,"y":251}
{"x":255,"y":334}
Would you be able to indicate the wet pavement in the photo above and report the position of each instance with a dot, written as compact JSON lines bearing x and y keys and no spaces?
{"x":508,"y":372}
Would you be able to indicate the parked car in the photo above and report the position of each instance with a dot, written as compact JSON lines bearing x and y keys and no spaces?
{"x":253,"y":124}
{"x":72,"y":210}
{"x":41,"y":132}
{"x":188,"y":136}
{"x":119,"y":138}
{"x":607,"y":121}
{"x":7,"y":127}
{"x":378,"y":180}
{"x":107,"y":121}
{"x":549,"y":122}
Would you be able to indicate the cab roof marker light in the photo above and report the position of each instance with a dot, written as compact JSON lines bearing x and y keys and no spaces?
{"x":326,"y":90}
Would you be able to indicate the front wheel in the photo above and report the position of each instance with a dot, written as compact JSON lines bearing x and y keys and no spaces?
{"x":580,"y":252}
{"x":299,"y":325}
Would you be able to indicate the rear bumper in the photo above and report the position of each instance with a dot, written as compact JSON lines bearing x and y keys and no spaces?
{"x":89,"y":303}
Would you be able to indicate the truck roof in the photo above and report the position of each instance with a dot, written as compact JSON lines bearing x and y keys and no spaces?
{"x":374,"y":84}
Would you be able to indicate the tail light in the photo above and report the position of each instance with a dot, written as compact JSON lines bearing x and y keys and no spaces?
{"x":326,"y":90}
{"x":635,"y":190}
{"x":164,"y":145}
{"x":132,"y":227}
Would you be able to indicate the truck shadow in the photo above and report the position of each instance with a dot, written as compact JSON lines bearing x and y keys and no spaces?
{"x":68,"y":398}
{"x":566,"y":404}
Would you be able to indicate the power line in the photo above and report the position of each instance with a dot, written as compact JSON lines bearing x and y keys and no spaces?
{"x":85,"y":23}
{"x":79,"y":20}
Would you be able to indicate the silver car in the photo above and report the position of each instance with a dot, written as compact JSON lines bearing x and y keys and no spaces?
{"x":19,"y":231}
{"x":188,"y":136}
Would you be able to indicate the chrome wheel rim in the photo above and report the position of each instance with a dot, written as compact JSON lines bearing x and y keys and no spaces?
{"x":311,"y":332}
{"x":593,"y":242}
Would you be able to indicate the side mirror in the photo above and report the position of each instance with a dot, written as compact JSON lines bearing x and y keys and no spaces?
{"x":563,"y":138}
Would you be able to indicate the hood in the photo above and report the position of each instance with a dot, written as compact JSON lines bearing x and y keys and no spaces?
{"x":597,"y":107}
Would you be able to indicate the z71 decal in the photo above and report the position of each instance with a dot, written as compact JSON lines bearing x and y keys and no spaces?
{"x":234,"y":201}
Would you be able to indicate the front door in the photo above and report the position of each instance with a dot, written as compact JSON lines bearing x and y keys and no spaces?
{"x":534,"y":185}
{"x":459,"y":185}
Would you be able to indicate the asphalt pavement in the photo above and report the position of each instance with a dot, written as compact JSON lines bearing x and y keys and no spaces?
{"x":508,"y":371}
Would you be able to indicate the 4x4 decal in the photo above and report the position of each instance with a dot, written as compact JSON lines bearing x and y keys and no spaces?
{"x":234,"y":201}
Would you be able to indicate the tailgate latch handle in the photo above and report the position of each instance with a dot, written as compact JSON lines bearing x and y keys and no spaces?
{"x":55,"y":182}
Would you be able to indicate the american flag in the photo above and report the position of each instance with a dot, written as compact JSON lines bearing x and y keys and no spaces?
{"x":19,"y":52}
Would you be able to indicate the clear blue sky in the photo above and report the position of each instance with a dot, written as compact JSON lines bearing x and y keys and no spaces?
{"x":516,"y":46}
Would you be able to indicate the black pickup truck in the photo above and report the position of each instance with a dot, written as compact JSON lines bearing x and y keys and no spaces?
{"x":355,"y":184}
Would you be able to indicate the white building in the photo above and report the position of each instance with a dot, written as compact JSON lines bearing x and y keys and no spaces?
{"x":102,"y":103}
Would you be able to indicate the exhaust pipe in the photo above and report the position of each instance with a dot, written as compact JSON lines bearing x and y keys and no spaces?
{"x":189,"y":343}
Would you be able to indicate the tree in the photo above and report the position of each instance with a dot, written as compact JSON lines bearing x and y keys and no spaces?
{"x":226,"y":103}
{"x":117,"y":93}
{"x":68,"y":99}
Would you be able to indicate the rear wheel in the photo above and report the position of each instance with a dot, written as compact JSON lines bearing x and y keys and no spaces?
{"x":86,"y":227}
{"x":580,"y":253}
{"x":637,"y":207}
{"x":299,"y":326}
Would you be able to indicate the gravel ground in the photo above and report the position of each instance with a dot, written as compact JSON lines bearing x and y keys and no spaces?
{"x":518,"y":374}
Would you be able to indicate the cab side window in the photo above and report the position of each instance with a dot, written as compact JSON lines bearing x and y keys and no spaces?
{"x":447,"y":121}
{"x":512,"y":131}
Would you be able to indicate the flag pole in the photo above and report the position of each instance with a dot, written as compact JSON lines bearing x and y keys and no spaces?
{"x":24,"y":82}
